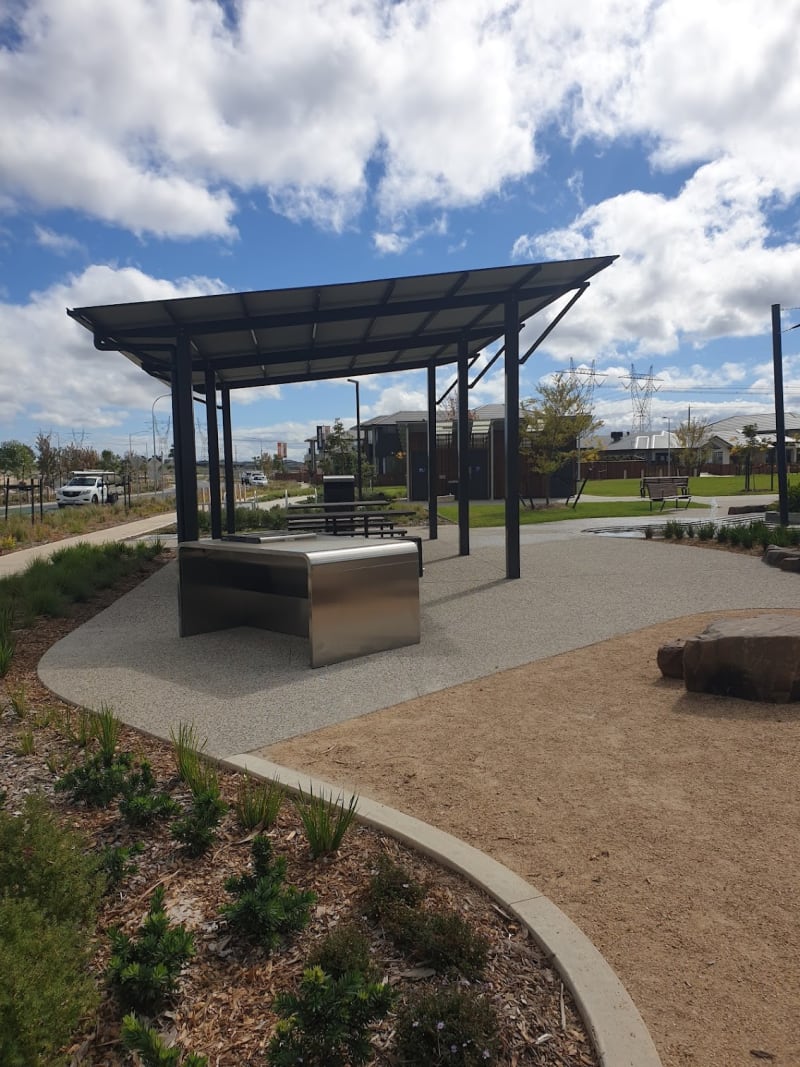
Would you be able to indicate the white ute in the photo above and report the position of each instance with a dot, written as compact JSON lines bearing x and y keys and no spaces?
{"x":87,"y":487}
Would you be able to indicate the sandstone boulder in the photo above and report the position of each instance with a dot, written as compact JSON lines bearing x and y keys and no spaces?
{"x":670,"y":658}
{"x":756,"y":659}
{"x":774,"y":555}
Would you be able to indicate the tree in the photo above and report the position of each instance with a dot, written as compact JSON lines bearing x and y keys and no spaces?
{"x":339,"y":456}
{"x":694,"y":445}
{"x":553,"y":423}
{"x":17,"y":459}
{"x":110,"y":461}
{"x":47,"y":458}
{"x":746,"y":452}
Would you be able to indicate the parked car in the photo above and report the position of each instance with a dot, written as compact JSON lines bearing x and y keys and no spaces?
{"x":88,"y":487}
{"x":254,"y":478}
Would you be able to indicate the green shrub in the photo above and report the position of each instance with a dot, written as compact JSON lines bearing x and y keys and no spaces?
{"x":145,"y":971}
{"x":265,"y":912}
{"x":116,"y":862}
{"x":197,"y":829}
{"x":389,"y":886}
{"x":447,"y":1026}
{"x":324,"y":820}
{"x":257,"y":803}
{"x":344,"y":950}
{"x":442,"y":940}
{"x":722,"y":533}
{"x":50,"y":866}
{"x":45,"y":985}
{"x":141,"y":804}
{"x":326,"y":1024}
{"x":96,"y":781}
{"x":705,"y":531}
{"x":150,"y":1046}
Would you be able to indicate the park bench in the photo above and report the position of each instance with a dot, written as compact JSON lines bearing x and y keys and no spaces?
{"x":660,"y":490}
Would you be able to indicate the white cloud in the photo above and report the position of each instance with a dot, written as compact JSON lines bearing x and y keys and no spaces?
{"x":155,"y":114}
{"x":60,"y":243}
{"x":692,"y":268}
{"x":49,"y":367}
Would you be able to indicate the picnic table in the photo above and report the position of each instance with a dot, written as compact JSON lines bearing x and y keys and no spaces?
{"x":352,"y":522}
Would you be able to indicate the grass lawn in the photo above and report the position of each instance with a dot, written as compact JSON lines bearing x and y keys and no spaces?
{"x":494,"y":514}
{"x":725,"y":485}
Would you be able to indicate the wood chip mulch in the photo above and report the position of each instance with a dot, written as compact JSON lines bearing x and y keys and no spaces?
{"x":223,"y":1010}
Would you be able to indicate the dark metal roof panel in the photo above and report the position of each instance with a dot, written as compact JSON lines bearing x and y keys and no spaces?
{"x":333,"y":330}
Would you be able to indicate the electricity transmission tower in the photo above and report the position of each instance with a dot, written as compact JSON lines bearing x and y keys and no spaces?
{"x":642,"y":387}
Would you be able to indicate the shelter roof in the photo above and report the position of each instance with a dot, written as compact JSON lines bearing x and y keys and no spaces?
{"x":332,"y":331}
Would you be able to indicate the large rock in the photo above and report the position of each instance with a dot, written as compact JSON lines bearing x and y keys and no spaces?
{"x":756,"y":659}
{"x":670,"y":658}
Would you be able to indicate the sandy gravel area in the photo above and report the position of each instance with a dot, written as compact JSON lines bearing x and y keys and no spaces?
{"x":664,"y":823}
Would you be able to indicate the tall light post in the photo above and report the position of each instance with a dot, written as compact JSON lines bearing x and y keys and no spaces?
{"x":153,"y":417}
{"x":668,"y":421}
{"x":358,"y":434}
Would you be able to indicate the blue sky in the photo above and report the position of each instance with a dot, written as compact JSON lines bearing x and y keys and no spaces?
{"x":153,"y":148}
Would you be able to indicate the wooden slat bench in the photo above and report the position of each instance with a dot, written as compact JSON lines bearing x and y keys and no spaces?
{"x":660,"y":490}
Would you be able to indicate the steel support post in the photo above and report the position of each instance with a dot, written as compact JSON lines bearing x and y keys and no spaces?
{"x":433,"y":458}
{"x":512,"y":438}
{"x":215,"y":498}
{"x":780,"y":420}
{"x":463,"y":449}
{"x":227,"y":444}
{"x":185,"y":455}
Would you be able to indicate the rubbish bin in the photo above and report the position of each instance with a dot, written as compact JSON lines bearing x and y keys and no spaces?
{"x":339,"y":489}
{"x":452,"y":488}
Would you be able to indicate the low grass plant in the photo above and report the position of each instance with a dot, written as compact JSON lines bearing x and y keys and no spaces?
{"x":257,"y":803}
{"x":47,"y":587}
{"x":325,"y":819}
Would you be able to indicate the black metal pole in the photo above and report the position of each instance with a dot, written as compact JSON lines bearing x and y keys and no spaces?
{"x":358,"y":438}
{"x":215,"y":497}
{"x":780,"y":422}
{"x":463,"y":450}
{"x":433,"y":458}
{"x":185,"y":455}
{"x":512,"y":438}
{"x":227,"y":444}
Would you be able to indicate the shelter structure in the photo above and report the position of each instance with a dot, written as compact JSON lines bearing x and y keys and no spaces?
{"x":204,"y":347}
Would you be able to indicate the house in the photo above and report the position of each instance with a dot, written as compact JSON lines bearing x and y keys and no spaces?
{"x":397,"y":446}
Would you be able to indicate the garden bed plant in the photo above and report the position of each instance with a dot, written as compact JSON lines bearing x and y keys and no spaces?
{"x":228,"y":923}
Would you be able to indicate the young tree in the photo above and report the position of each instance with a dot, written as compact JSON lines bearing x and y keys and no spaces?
{"x":339,"y":456}
{"x":694,"y":445}
{"x":47,"y":458}
{"x":17,"y":459}
{"x":553,"y":422}
{"x":747,"y":452}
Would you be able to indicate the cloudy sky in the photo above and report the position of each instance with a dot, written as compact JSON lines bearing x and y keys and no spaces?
{"x":153,"y":148}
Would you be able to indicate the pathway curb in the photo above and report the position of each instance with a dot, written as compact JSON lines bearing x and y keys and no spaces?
{"x":615,"y":1026}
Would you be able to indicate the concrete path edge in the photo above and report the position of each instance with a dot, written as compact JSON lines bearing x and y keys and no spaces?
{"x":615,"y":1026}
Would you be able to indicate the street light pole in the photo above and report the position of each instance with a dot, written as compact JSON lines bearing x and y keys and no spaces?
{"x":358,"y":435}
{"x":153,"y":417}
